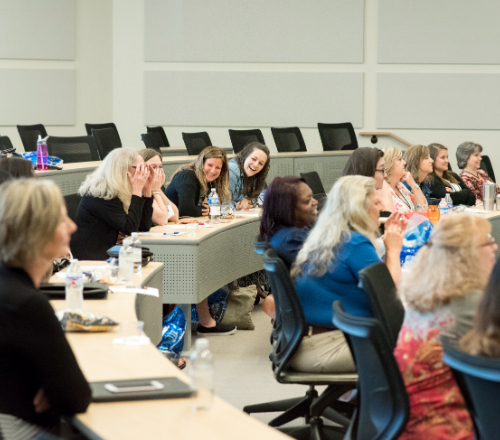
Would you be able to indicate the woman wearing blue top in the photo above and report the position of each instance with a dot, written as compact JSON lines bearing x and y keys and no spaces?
{"x":327,"y":269}
{"x":247,"y":175}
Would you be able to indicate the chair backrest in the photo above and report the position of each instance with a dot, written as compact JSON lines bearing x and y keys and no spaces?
{"x":288,"y":309}
{"x":380,"y":290}
{"x":383,"y":401}
{"x":5,"y":143}
{"x":106,"y":139}
{"x":288,"y":139}
{"x":72,"y":202}
{"x":29,"y":135}
{"x":90,"y":127}
{"x":337,"y":136}
{"x":152,"y":140}
{"x":159,"y":129}
{"x":486,"y":166}
{"x":313,"y":180}
{"x":241,"y":138}
{"x":73,"y":149}
{"x":479,"y":381}
{"x":196,"y":142}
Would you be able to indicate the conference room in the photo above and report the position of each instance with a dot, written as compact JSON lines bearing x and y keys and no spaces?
{"x":401,"y":73}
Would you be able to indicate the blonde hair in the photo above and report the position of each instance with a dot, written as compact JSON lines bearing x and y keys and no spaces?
{"x":110,"y":179}
{"x":30,"y":211}
{"x":391,"y":155}
{"x":221,"y":183}
{"x":345,"y":211}
{"x":448,"y":265}
{"x":412,"y":157}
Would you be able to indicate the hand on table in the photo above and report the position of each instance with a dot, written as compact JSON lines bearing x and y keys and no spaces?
{"x":244,"y":204}
{"x":41,"y":402}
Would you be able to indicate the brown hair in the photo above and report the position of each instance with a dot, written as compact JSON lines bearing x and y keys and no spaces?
{"x":149,"y":153}
{"x":412,"y":157}
{"x":17,"y":167}
{"x":221,"y":183}
{"x":434,"y":150}
{"x":252,"y":186}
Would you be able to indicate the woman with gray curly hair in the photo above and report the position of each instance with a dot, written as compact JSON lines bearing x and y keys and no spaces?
{"x":469,"y":161}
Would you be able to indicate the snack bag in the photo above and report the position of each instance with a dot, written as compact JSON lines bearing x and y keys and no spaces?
{"x":174,"y":328}
{"x":417,"y":233}
{"x":80,"y":321}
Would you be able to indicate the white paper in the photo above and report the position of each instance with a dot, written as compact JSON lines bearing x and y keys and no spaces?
{"x":159,"y":234}
{"x":151,"y":291}
{"x":245,"y":215}
{"x":132,"y":340}
{"x":477,"y":211}
{"x":205,"y":225}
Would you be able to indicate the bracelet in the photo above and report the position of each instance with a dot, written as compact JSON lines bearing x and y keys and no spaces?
{"x":156,"y":192}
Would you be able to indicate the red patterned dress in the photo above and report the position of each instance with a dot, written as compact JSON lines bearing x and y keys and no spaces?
{"x":437,"y":408}
{"x":476,"y":184}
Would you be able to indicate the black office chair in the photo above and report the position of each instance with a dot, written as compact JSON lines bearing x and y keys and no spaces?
{"x":72,"y":202}
{"x":337,"y":136}
{"x":486,"y":166}
{"x":73,"y":149}
{"x":29,"y":135}
{"x":384,"y":408}
{"x":161,"y":132}
{"x":5,"y":143}
{"x":196,"y":142}
{"x":293,"y":328}
{"x":288,"y":139}
{"x":314,"y":182}
{"x":241,"y":138}
{"x":479,"y":381}
{"x":152,"y":140}
{"x":90,"y":127}
{"x":106,"y":139}
{"x":380,"y":290}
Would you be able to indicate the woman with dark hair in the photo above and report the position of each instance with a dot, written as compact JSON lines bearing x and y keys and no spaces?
{"x":369,"y":162}
{"x":247,"y":175}
{"x":17,"y":167}
{"x":191,"y":183}
{"x":443,"y":181}
{"x":484,"y":338}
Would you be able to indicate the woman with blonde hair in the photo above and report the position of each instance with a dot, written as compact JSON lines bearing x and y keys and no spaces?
{"x":441,"y":293}
{"x":163,"y":209}
{"x":39,"y":376}
{"x":397,"y":196}
{"x":327,"y":268}
{"x":116,"y":198}
{"x":444,"y":181}
{"x":191,"y":183}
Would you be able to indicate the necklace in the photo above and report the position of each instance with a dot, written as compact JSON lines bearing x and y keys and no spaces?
{"x":472,"y":174}
{"x":402,"y":197}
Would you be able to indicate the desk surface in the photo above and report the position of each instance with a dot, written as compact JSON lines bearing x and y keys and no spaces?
{"x":100,"y":360}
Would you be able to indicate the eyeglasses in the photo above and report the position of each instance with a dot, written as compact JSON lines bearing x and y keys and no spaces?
{"x":383,"y":170}
{"x":489,"y":242}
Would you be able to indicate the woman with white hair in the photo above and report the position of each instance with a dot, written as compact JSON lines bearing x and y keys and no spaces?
{"x":441,"y":292}
{"x":327,"y":268}
{"x":469,"y":160}
{"x":40,"y":379}
{"x":116,"y":198}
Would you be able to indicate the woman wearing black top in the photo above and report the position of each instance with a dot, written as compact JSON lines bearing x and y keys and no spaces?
{"x":116,"y":199}
{"x":191,"y":184}
{"x":444,"y":181}
{"x":40,"y":379}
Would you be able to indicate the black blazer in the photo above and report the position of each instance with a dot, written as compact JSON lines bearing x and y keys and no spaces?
{"x":184,"y":192}
{"x":34,"y":354}
{"x":99,"y":221}
{"x":438,"y":190}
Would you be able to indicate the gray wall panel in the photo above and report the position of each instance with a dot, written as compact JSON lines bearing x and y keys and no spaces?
{"x":31,"y":96}
{"x":38,"y":29}
{"x":254,"y":31}
{"x":252,"y":99}
{"x":442,"y":31}
{"x":438,"y":100}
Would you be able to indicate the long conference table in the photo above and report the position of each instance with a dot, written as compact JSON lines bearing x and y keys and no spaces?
{"x":101,"y":360}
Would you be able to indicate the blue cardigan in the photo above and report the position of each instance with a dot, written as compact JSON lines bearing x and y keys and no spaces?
{"x":288,"y":241}
{"x":340,"y":281}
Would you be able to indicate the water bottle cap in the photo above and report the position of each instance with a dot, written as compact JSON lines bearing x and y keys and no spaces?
{"x":126,"y":242}
{"x":201,"y":344}
{"x":135,"y":234}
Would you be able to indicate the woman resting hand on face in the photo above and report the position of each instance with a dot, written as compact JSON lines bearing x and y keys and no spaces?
{"x":164,"y":210}
{"x":247,"y":175}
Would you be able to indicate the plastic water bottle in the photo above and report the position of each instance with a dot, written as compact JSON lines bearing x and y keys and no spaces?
{"x":449,"y":201}
{"x":74,"y":286}
{"x":41,"y":153}
{"x":443,"y":207}
{"x":126,"y":262}
{"x":201,"y":372}
{"x":214,"y":207}
{"x":137,"y":248}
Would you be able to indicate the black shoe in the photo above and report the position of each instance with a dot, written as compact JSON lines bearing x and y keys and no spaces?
{"x":219,"y":330}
